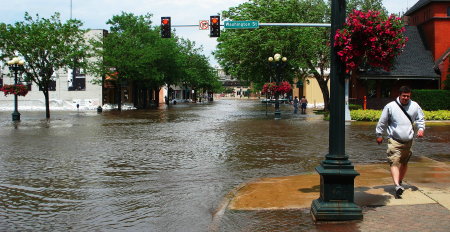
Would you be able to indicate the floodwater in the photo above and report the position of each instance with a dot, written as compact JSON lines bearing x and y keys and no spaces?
{"x":161,"y":170}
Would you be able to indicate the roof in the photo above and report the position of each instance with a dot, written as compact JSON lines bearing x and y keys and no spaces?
{"x":415,"y":62}
{"x":420,"y":4}
{"x":441,"y":60}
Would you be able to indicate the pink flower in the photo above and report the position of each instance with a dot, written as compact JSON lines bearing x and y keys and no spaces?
{"x":366,"y":37}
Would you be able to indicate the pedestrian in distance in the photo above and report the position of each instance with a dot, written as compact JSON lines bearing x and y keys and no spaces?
{"x":304,"y":103}
{"x":397,"y":121}
{"x":295,"y":103}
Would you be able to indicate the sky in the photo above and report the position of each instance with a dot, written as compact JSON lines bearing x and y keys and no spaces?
{"x":95,"y":13}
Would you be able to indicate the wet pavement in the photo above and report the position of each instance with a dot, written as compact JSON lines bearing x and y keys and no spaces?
{"x":283,"y":203}
{"x":169,"y":169}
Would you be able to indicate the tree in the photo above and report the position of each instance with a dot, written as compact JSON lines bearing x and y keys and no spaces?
{"x":135,"y":50}
{"x":131,"y":49}
{"x":244,"y":53}
{"x":366,"y":5}
{"x":197,"y":72}
{"x":46,"y":46}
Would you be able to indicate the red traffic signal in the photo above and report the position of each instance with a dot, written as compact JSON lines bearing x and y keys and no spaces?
{"x":165,"y":27}
{"x":214,"y":27}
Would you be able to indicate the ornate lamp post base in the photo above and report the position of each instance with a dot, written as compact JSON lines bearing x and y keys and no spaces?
{"x":277,"y":109}
{"x":15,"y":116}
{"x":336,"y":194}
{"x":277,"y":114}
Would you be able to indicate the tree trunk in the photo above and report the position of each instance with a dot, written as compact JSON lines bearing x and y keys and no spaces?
{"x":322,"y":84}
{"x":194,"y":95}
{"x":145,"y":96}
{"x":47,"y":103}
{"x":136,"y":95}
{"x":119,"y":95}
{"x":157,"y":97}
{"x":325,"y":93}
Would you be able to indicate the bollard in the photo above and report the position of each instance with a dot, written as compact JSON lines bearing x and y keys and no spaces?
{"x":99,"y":109}
{"x":365,"y":103}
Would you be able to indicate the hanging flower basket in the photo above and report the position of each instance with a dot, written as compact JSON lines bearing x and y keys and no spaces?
{"x":272,"y":88}
{"x":370,"y":38}
{"x":19,"y":90}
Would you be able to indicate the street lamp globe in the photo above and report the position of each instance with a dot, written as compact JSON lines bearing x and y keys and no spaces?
{"x":284,"y":59}
{"x":270,"y":59}
{"x":277,"y":57}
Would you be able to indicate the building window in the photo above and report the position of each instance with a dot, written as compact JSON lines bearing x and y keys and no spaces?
{"x":448,"y":11}
{"x":76,"y":80}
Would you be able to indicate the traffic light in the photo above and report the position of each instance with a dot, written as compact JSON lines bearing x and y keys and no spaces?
{"x":165,"y":27}
{"x":214,"y":26}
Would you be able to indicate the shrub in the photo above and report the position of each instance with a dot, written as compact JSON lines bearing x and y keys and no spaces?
{"x":374,"y":115}
{"x":355,"y":107}
{"x":432,"y":99}
{"x":365,"y":115}
{"x":437,"y":115}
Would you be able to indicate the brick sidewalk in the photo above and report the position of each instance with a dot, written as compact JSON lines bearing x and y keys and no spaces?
{"x":283,"y":203}
{"x":398,"y":218}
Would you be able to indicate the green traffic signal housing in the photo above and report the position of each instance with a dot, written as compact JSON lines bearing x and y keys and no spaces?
{"x":214,"y":26}
{"x":165,"y":27}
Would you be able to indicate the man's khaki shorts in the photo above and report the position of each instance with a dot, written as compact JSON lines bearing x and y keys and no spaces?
{"x":398,"y":153}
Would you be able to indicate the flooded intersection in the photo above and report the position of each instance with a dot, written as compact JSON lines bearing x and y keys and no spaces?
{"x":161,"y":170}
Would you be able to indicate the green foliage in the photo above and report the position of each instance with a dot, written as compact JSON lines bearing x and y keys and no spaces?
{"x":228,"y":90}
{"x":131,"y":48}
{"x":244,"y":53}
{"x":354,"y":107}
{"x":437,"y":115}
{"x":135,"y":50}
{"x":365,"y":5}
{"x":46,"y":45}
{"x":374,"y":115}
{"x":446,"y":83}
{"x":432,"y":99}
{"x":365,"y":115}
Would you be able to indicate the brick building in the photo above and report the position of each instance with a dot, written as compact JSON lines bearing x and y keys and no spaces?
{"x":424,"y":63}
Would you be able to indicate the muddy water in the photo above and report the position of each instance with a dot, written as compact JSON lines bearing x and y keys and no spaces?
{"x":161,"y":170}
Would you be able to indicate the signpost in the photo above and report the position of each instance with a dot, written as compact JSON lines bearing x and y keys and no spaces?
{"x":241,"y":24}
{"x":204,"y":25}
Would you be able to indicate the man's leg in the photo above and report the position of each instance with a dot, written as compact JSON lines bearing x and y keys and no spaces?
{"x":394,"y":157}
{"x":395,"y":172}
{"x":402,"y":171}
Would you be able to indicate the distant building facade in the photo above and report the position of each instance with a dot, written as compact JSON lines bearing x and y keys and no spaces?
{"x":69,"y":87}
{"x":240,"y":88}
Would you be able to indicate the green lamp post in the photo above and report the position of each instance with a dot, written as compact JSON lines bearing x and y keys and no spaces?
{"x":337,"y":174}
{"x":16,"y":66}
{"x":279,"y":63}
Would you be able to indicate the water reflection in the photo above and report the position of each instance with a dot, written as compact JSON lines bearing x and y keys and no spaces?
{"x":160,"y":170}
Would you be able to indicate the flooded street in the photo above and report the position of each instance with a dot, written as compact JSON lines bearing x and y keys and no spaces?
{"x":165,"y":169}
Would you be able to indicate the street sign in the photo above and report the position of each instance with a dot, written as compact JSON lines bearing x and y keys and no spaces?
{"x":241,"y":24}
{"x":203,"y":25}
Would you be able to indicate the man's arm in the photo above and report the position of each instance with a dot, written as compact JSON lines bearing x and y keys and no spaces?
{"x":382,"y":124}
{"x":420,"y":122}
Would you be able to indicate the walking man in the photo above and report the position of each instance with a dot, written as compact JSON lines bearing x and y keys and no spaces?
{"x":295,"y":103}
{"x":304,"y":102}
{"x":397,"y":121}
